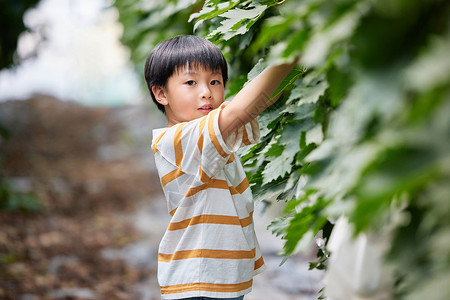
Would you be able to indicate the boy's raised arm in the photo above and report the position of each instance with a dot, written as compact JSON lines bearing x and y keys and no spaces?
{"x":253,"y":98}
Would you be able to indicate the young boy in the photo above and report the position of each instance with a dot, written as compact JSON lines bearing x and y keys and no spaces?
{"x":209,"y":250}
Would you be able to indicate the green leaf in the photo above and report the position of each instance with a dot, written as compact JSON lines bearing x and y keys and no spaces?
{"x":277,"y":168}
{"x":256,"y":70}
{"x":309,"y":93}
{"x":324,"y":39}
{"x":432,"y":68}
{"x":339,"y":83}
{"x":307,"y":219}
{"x":395,"y":171}
{"x":288,"y":80}
{"x":213,"y":9}
{"x":273,"y":28}
{"x":290,"y":142}
{"x":268,"y":192}
{"x":237,"y":21}
{"x":279,"y":225}
{"x":273,"y":149}
{"x":301,"y":111}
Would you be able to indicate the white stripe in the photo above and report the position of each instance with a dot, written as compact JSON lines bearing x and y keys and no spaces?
{"x":207,"y":294}
{"x":231,"y":237}
{"x":184,"y":271}
{"x":212,"y":202}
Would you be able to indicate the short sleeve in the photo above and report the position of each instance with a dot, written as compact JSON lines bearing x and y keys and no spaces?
{"x":197,"y":147}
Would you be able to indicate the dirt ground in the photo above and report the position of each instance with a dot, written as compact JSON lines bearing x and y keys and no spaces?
{"x":88,"y":172}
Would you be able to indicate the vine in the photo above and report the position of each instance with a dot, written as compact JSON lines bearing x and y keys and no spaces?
{"x":362,"y":129}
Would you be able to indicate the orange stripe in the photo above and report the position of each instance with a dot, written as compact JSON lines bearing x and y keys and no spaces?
{"x":171,"y":176}
{"x":203,"y":176}
{"x":240,"y":188}
{"x":233,"y":191}
{"x":215,"y":184}
{"x":207,"y":253}
{"x":212,"y":135}
{"x":231,"y":159}
{"x":259,"y":263}
{"x":172,"y":212}
{"x":177,"y":145}
{"x":200,"y":139}
{"x":205,"y":219}
{"x":211,"y":219}
{"x":246,"y":221}
{"x":154,"y":148}
{"x":245,"y":139}
{"x":209,"y":287}
{"x":243,"y":186}
{"x":194,"y":190}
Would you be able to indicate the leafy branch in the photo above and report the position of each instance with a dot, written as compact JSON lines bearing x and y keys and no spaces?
{"x":362,"y":128}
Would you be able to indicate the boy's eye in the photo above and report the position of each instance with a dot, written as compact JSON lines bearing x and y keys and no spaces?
{"x":191,"y":82}
{"x":215,"y":82}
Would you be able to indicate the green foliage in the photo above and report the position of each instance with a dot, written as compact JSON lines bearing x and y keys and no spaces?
{"x":146,"y":23}
{"x":362,"y":129}
{"x":10,"y":199}
{"x":15,"y":201}
{"x":7,"y":258}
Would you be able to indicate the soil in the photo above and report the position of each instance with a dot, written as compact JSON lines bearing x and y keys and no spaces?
{"x":88,"y":171}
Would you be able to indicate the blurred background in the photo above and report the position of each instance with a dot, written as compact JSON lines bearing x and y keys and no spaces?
{"x":71,"y":50}
{"x":74,"y":154}
{"x":81,"y":209}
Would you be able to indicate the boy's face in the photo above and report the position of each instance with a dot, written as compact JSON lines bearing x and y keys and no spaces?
{"x":190,"y":94}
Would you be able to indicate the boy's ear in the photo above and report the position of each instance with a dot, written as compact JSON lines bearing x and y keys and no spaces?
{"x":160,"y":94}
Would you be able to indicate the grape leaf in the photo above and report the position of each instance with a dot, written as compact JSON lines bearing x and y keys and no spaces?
{"x":211,"y":10}
{"x":235,"y":19}
{"x":278,"y":167}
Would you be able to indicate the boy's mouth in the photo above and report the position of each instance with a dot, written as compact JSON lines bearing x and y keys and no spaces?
{"x":206,"y":108}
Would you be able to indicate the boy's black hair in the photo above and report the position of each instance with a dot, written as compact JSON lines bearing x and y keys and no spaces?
{"x":176,"y":53}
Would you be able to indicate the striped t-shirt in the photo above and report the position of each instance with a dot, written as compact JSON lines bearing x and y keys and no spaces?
{"x":209,"y":248}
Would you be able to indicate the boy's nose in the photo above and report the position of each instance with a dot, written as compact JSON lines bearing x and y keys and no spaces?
{"x":205,"y":92}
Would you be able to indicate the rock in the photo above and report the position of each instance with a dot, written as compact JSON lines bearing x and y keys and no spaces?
{"x":143,"y":254}
{"x":59,"y":261}
{"x":295,"y":278}
{"x":151,"y":220}
{"x":79,"y":293}
{"x":28,"y":297}
{"x":21,"y":184}
{"x":147,"y":290}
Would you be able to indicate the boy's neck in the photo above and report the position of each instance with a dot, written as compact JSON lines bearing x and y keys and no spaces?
{"x":170,"y":124}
